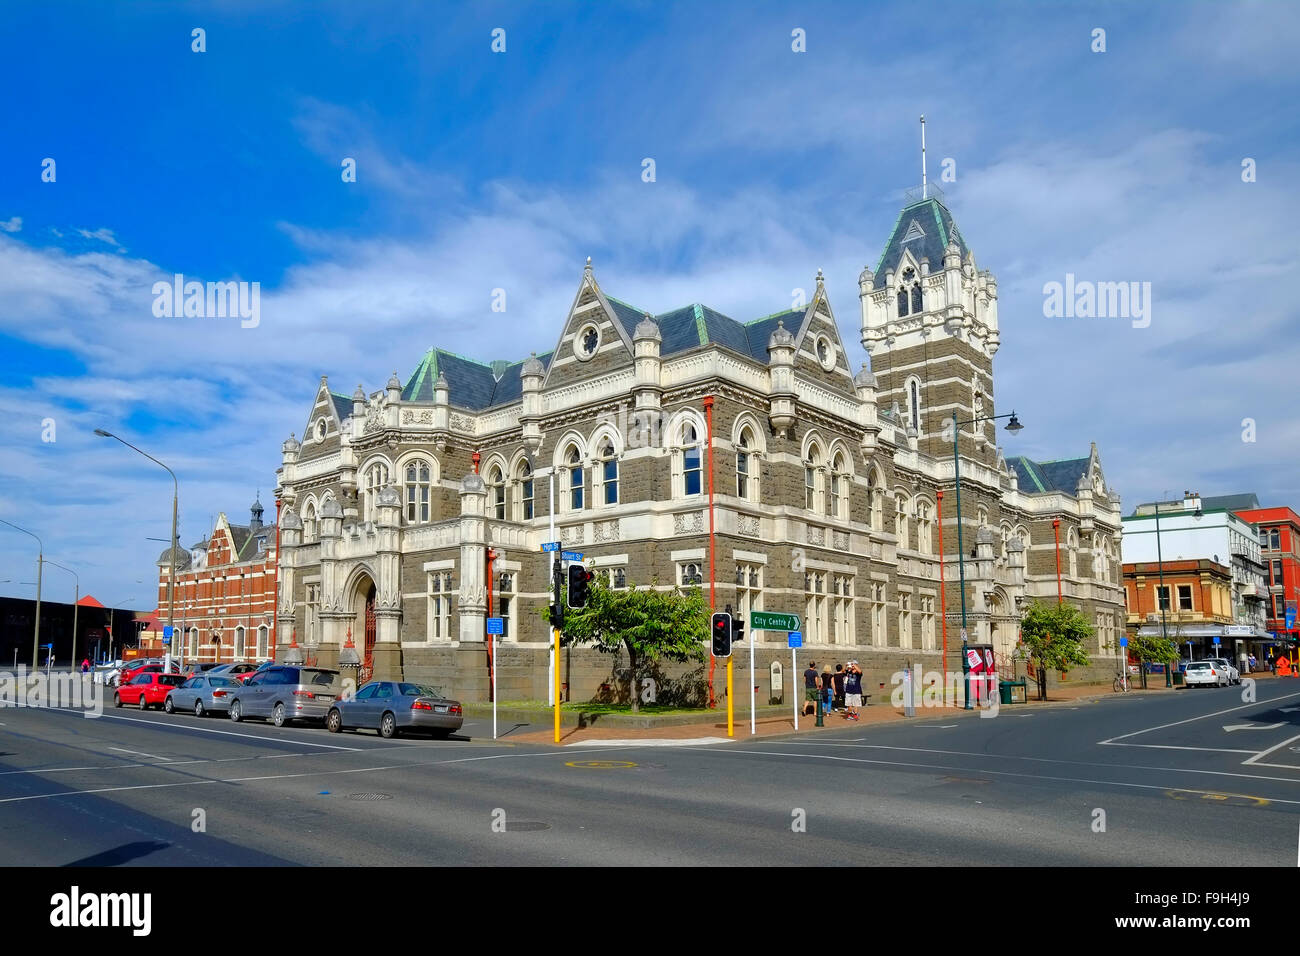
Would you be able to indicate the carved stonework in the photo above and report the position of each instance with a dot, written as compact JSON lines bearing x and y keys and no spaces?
{"x":607,"y":531}
{"x":423,"y":416}
{"x":461,"y":423}
{"x":692,"y":523}
{"x":841,"y":540}
{"x":374,"y":419}
{"x":574,"y":534}
{"x":749,"y":525}
{"x":816,"y":535}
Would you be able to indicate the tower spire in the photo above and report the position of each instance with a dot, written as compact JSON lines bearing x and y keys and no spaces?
{"x":924,"y":187}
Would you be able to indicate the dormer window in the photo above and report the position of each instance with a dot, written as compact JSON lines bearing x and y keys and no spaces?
{"x":916,"y":298}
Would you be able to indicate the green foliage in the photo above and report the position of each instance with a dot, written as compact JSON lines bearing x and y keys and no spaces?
{"x":1154,"y":648}
{"x":1054,"y":635}
{"x":651,"y":625}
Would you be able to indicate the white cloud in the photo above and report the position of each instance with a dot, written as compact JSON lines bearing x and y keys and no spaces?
{"x":14,"y":224}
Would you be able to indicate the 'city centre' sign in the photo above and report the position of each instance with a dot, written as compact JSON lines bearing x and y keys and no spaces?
{"x":763,"y":621}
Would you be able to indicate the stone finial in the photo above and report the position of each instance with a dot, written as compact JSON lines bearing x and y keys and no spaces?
{"x":331,"y":509}
{"x":781,"y":337}
{"x":388,"y":497}
{"x":291,"y":444}
{"x":289,"y":520}
{"x":360,"y":394}
{"x":647,"y":328}
{"x":533,"y":366}
{"x":586,"y":271}
{"x":865,"y":378}
{"x":984,"y":536}
{"x":473,"y":484}
{"x":395,"y":382}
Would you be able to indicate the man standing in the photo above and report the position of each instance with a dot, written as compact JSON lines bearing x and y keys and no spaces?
{"x":852,"y":691}
{"x":811,"y":686}
{"x":839,"y":688}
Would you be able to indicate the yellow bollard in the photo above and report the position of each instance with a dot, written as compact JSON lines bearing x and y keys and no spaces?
{"x":731,"y":731}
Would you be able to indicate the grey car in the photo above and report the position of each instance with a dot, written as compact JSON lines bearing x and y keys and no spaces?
{"x":286,"y":692}
{"x":391,"y":707}
{"x":202,"y":694}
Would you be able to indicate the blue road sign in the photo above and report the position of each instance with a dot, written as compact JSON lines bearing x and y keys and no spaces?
{"x":167,"y":631}
{"x":796,"y":638}
{"x":1290,"y":617}
{"x":571,"y":555}
{"x":550,"y":546}
{"x":1123,"y":642}
{"x":167,"y":640}
{"x":1216,"y":640}
{"x":494,"y":625}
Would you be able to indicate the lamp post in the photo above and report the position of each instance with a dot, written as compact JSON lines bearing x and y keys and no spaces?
{"x":73,"y":659}
{"x":1056,"y":533}
{"x":1013,"y":426}
{"x":943,"y":599}
{"x":171,"y":582}
{"x":40,"y":560}
{"x":1160,"y":572}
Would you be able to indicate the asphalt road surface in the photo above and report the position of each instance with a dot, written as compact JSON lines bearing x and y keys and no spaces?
{"x":1192,"y":778}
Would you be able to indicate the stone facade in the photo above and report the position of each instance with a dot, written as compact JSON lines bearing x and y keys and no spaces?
{"x":824,"y":496}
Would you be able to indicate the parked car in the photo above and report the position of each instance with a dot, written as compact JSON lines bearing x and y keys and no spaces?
{"x":127,"y":674}
{"x":286,"y":692}
{"x":199,"y":667}
{"x":391,"y":707}
{"x":201,"y":694}
{"x":243,"y":678}
{"x":234,"y":671}
{"x":1234,"y":675}
{"x":1205,"y":673}
{"x":147,"y":689}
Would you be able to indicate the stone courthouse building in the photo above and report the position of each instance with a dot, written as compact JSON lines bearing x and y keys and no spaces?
{"x":403,"y":508}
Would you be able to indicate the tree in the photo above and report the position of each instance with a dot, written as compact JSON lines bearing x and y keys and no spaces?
{"x":1053,"y":635}
{"x":651,"y":624}
{"x":1154,"y":648}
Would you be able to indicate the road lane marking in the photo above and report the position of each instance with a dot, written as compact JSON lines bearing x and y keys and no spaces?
{"x":139,"y":753}
{"x":209,"y":730}
{"x":1009,"y":773}
{"x":1229,"y":728}
{"x":1264,"y":753}
{"x":282,"y":776}
{"x":1111,"y":740}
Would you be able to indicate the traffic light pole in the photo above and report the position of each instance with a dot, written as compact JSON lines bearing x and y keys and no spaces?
{"x":555,"y":638}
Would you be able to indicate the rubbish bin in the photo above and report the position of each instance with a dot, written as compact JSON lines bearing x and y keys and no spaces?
{"x":1178,"y":678}
{"x":1004,"y":692}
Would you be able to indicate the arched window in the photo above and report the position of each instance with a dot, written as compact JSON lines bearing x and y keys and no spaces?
{"x":875,"y":501}
{"x":839,"y":489}
{"x":900,"y":520}
{"x":916,"y":299}
{"x":497,"y":490}
{"x":691,"y":575}
{"x":620,"y":577}
{"x":902,"y":302}
{"x":692,"y":471}
{"x":744,"y":461}
{"x":263,"y":633}
{"x":811,"y":470}
{"x":575,"y":478}
{"x":1072,"y":544}
{"x":609,"y":473}
{"x":524,"y":492}
{"x":417,"y":492}
{"x":239,"y":641}
{"x":309,"y":529}
{"x":376,"y":480}
{"x":924,"y":527}
{"x":914,"y":403}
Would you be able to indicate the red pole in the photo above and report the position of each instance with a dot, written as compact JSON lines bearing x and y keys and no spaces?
{"x":943,"y":601}
{"x":713,"y":585}
{"x":1056,"y":529}
{"x":275,"y":604}
{"x":491,"y":556}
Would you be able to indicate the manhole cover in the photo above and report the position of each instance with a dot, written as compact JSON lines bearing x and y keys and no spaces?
{"x":600,"y":764}
{"x":370,"y":796}
{"x":525,"y":826}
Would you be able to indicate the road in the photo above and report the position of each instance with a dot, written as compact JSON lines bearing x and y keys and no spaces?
{"x":1125,"y":780}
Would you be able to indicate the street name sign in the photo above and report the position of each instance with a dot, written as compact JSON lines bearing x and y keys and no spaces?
{"x":796,"y":639}
{"x":765,"y":621}
{"x":494,"y":625}
{"x":550,"y":546}
{"x":571,"y":555}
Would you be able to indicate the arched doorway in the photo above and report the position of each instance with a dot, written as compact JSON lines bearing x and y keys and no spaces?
{"x":363,"y":626}
{"x":1003,"y":630}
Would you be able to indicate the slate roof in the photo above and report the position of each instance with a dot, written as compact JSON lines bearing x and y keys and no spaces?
{"x":1044,"y":476}
{"x":1242,"y":502}
{"x":938,"y":228}
{"x":245,"y":541}
{"x":470,"y":384}
{"x":342,"y":405}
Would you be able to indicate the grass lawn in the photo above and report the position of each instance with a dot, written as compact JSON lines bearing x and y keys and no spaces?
{"x":590,"y":707}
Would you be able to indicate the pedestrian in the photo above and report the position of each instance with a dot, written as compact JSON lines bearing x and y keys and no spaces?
{"x":1272,"y":663}
{"x":85,"y":665}
{"x":811,"y":686}
{"x":1252,"y":662}
{"x":840,"y":675}
{"x":852,"y":691}
{"x":828,"y":690}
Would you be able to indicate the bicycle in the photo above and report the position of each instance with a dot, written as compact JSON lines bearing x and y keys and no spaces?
{"x":1121,"y":683}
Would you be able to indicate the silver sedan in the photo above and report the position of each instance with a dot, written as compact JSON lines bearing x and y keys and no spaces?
{"x":202,"y":695}
{"x":391,"y":707}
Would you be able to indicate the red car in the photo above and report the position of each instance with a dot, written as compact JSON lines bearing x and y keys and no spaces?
{"x":147,"y":689}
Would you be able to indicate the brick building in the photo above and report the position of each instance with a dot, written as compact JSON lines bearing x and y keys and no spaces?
{"x":1193,"y":605}
{"x":826,"y":488}
{"x":225,"y":592}
{"x":1279,"y":547}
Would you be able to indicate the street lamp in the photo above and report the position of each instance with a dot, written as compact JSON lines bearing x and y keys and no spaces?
{"x":76,"y":601}
{"x":40,"y":560}
{"x":1012,"y":426}
{"x":1160,"y":571}
{"x":175,"y":543}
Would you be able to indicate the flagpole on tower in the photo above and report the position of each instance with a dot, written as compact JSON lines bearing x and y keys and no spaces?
{"x":923,"y":182}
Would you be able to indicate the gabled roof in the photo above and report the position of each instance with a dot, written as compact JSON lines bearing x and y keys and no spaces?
{"x":88,"y":601}
{"x":932,"y":227}
{"x":342,"y":405}
{"x":691,"y":326}
{"x":1242,"y":502}
{"x":1045,"y":476}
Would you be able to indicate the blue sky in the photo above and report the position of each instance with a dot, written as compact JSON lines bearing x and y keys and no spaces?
{"x":479,"y":171}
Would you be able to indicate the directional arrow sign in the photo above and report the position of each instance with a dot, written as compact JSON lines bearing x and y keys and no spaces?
{"x":1231,"y":727}
{"x":1289,"y":710}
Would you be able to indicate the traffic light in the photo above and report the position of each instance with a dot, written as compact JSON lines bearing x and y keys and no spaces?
{"x":556,"y":616}
{"x":721,"y":634}
{"x":579,"y":578}
{"x":737,"y":629}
